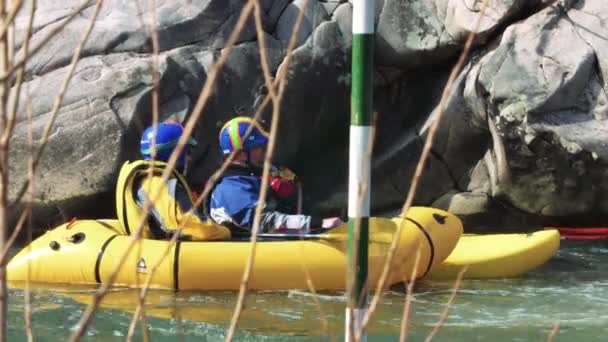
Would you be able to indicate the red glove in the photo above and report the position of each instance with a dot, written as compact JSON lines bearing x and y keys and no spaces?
{"x":282,"y":188}
{"x":283,"y":182}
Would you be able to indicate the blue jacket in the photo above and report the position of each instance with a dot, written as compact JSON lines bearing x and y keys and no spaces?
{"x":234,"y":200}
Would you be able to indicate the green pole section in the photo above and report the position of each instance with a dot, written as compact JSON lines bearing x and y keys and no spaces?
{"x":359,"y":182}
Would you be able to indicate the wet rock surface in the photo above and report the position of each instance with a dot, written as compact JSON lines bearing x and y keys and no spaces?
{"x":523,"y":141}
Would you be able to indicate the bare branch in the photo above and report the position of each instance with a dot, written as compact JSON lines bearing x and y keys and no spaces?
{"x":446,"y":310}
{"x":10,"y":18}
{"x":139,"y":313}
{"x":408,"y":299}
{"x":4,"y":178}
{"x":201,"y":102}
{"x":262,"y":47}
{"x":264,"y":188}
{"x":20,"y":72}
{"x":30,"y":173}
{"x":152,"y":31}
{"x":66,"y":81}
{"x":554,"y":332}
{"x":256,"y":223}
{"x":9,"y":128}
{"x":56,"y":30}
{"x":423,"y":158}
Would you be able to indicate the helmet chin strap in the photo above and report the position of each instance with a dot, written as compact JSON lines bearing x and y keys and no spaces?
{"x":248,"y":154}
{"x":248,"y":160}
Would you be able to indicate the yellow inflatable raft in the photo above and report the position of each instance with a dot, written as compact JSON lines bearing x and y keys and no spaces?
{"x":498,"y":255}
{"x":88,"y":251}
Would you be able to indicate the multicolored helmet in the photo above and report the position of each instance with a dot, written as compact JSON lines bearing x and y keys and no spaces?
{"x":167,"y":137}
{"x":232,"y":136}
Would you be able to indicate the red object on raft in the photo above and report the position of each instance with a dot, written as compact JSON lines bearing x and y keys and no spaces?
{"x":583,"y":233}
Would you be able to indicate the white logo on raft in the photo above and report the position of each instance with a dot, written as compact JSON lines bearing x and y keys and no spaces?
{"x":141,"y":266}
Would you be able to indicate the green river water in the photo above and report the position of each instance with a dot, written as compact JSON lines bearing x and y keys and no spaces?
{"x":571,"y":289}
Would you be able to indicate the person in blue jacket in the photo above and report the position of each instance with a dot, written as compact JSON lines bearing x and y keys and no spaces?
{"x":235,"y":197}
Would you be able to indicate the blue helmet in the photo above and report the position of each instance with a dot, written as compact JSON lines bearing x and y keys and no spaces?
{"x":232,"y":136}
{"x":167,"y":137}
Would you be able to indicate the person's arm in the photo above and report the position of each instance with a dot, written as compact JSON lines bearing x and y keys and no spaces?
{"x":277,"y":222}
{"x":270,"y":222}
{"x":194,"y":224}
{"x":234,"y":205}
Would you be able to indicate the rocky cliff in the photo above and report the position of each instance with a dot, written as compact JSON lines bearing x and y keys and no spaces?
{"x":524,"y":139}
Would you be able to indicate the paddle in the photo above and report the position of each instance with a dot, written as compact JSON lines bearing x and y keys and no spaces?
{"x":381,"y":230}
{"x":592,"y":233}
{"x":584,"y":236}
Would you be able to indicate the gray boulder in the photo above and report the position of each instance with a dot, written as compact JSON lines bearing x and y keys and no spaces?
{"x":314,"y":14}
{"x":523,"y":139}
{"x":123,"y":26}
{"x":422,"y":33}
{"x":107,"y":107}
{"x":540,"y":94}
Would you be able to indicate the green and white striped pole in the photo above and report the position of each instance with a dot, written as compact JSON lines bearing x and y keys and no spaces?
{"x":359,"y":163}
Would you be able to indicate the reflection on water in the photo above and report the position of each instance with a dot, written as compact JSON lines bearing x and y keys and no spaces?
{"x":571,"y":289}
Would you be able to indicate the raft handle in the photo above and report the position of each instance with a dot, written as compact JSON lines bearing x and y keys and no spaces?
{"x":77,"y":238}
{"x":54,"y":245}
{"x":439,"y":218}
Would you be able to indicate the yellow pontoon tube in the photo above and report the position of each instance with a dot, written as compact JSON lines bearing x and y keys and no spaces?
{"x":88,"y":251}
{"x":498,"y":255}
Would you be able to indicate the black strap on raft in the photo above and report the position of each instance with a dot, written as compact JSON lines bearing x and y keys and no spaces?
{"x":176,"y":266}
{"x":155,"y":228}
{"x":124,"y":196}
{"x":100,"y":256}
{"x":429,"y":240}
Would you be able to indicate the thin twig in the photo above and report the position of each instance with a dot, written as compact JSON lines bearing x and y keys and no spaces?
{"x":309,"y":282}
{"x":10,"y":125}
{"x":10,"y":18}
{"x":256,"y":222}
{"x":197,"y":203}
{"x":197,"y":111}
{"x":10,"y":33}
{"x":134,"y":319}
{"x":30,"y":173}
{"x":45,"y":40}
{"x":20,"y":72}
{"x":262,"y":198}
{"x":446,"y":309}
{"x":4,"y":178}
{"x":423,"y":159}
{"x":201,"y":102}
{"x":66,"y":82}
{"x":64,"y":86}
{"x":262,"y":47}
{"x":9,"y":243}
{"x":554,"y":332}
{"x":139,"y":313}
{"x":408,"y":298}
{"x":312,"y":289}
{"x":300,"y":203}
{"x":213,"y":179}
{"x":152,"y":31}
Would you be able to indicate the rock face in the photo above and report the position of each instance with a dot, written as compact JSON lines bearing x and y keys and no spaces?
{"x":523,"y":140}
{"x":540,"y":88}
